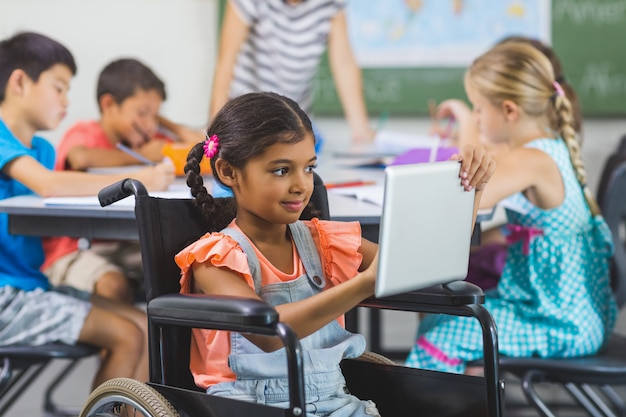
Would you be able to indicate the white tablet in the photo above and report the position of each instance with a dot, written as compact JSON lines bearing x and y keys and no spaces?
{"x":425,"y":228}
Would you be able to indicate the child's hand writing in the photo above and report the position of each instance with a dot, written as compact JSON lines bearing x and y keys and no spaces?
{"x":477,"y":166}
{"x":364,"y":134}
{"x":454,"y":108}
{"x":158,"y":177}
{"x":467,"y":131}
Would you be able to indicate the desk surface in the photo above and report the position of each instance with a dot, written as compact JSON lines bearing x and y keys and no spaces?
{"x":29,"y":215}
{"x":342,"y":208}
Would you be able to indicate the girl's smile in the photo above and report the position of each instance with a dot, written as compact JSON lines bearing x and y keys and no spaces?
{"x":294,"y":206}
{"x":276,"y":186}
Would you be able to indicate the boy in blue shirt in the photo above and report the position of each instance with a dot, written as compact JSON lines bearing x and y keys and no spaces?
{"x":35,"y":74}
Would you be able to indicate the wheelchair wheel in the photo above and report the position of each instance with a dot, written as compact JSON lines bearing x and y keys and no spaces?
{"x":126,"y":397}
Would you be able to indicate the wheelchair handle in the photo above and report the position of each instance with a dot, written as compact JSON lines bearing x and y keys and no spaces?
{"x":120,"y":190}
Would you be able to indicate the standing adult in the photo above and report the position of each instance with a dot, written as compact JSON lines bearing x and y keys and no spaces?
{"x":277,"y":45}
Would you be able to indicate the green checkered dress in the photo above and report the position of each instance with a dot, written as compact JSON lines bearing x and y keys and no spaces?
{"x":554,"y":297}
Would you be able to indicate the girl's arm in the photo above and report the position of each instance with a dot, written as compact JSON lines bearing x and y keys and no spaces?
{"x":467,"y":131}
{"x":368,"y":251}
{"x":525,"y":170}
{"x":305,"y":316}
{"x":233,"y":35}
{"x":348,"y":80}
{"x":518,"y":170}
{"x":47,"y":183}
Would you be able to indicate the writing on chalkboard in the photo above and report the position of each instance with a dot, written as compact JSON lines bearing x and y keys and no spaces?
{"x":600,"y":79}
{"x":591,"y":11}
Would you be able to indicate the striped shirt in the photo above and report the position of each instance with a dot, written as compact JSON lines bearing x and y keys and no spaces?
{"x":284,"y":46}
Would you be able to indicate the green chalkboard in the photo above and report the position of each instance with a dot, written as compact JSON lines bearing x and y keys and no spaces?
{"x":588,"y":35}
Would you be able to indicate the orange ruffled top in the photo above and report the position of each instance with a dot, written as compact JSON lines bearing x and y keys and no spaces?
{"x":337,"y":244}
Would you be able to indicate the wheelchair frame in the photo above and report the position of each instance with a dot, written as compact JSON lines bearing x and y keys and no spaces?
{"x":168,"y":311}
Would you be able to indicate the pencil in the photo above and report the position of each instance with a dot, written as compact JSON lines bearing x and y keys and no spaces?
{"x":349,"y":184}
{"x":447,"y":133}
{"x":432,"y":110}
{"x":134,"y":154}
{"x":382,"y":120}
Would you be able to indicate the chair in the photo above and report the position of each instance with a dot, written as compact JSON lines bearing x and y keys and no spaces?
{"x":579,"y":376}
{"x":165,"y":227}
{"x":20,"y":365}
{"x":621,"y":147}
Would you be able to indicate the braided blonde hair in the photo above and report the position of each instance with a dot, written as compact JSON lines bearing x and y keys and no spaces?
{"x":520,"y":73}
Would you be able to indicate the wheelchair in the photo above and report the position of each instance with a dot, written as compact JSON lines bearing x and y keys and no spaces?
{"x":165,"y":227}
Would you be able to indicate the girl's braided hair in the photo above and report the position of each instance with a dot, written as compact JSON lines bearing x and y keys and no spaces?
{"x":246,"y":126}
{"x":519,"y":72}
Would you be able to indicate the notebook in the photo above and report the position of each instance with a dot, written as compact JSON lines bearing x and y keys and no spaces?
{"x":425,"y":228}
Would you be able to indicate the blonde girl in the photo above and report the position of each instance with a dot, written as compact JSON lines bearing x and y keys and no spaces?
{"x":554,"y":297}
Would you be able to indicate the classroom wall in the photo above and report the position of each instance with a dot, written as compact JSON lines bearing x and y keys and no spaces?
{"x":178,"y":38}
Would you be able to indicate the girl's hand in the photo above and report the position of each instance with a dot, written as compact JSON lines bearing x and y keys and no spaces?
{"x":477,"y":166}
{"x":467,"y":128}
{"x":454,"y":108}
{"x":364,"y":134}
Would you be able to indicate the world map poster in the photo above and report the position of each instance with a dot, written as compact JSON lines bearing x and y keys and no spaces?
{"x":439,"y":33}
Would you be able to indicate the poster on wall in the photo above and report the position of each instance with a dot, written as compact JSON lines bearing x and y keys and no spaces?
{"x":439,"y":33}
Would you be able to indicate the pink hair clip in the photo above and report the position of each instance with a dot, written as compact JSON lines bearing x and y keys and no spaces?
{"x":559,"y":89}
{"x":211,"y":145}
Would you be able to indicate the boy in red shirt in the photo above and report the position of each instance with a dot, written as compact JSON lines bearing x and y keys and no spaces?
{"x":129,"y":98}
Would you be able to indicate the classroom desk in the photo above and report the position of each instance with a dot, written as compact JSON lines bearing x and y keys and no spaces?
{"x":28,"y":215}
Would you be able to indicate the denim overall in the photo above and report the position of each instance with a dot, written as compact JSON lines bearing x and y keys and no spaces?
{"x":262,"y":376}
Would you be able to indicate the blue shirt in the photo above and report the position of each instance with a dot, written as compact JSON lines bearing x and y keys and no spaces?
{"x":20,"y":256}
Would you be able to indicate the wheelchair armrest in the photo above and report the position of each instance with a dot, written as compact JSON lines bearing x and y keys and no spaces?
{"x":452,"y":294}
{"x":120,"y":190}
{"x":213,"y":312}
{"x":245,"y":315}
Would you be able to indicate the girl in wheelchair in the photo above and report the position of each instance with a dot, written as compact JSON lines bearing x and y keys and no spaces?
{"x":261,"y":146}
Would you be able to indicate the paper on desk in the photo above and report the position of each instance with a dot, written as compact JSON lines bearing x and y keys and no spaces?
{"x":370,"y":193}
{"x":128,"y":201}
{"x":363,"y":162}
{"x":397,"y":142}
